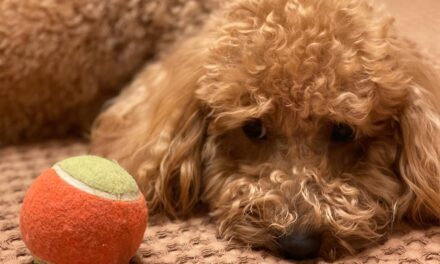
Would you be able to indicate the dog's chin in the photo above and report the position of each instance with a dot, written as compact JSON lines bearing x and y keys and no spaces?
{"x":258,"y":211}
{"x":260,"y":221}
{"x":331,"y":247}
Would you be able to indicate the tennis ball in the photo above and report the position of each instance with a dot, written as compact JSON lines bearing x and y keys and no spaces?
{"x":84,"y":209}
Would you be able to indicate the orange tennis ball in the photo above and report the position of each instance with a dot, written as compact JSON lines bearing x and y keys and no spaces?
{"x":84,"y":209}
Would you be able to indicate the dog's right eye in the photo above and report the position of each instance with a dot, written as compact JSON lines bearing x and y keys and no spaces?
{"x":254,"y":129}
{"x":342,"y":133}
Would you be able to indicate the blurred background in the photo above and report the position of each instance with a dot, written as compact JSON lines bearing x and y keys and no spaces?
{"x":419,"y":20}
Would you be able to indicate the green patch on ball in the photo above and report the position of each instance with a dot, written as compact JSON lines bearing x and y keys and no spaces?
{"x":99,"y":173}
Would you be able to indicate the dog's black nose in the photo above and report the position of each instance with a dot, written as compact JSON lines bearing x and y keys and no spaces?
{"x":300,"y":246}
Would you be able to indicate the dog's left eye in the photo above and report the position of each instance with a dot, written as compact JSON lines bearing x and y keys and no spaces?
{"x":254,"y":129}
{"x":342,"y":133}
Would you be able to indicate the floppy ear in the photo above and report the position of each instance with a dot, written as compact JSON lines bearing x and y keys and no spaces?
{"x":419,"y":163}
{"x":156,"y":130}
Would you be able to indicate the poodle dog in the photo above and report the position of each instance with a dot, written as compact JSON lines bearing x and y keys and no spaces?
{"x":307,"y":127}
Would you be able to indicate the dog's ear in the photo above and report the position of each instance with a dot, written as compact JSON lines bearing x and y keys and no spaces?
{"x":419,"y":161}
{"x":156,"y":130}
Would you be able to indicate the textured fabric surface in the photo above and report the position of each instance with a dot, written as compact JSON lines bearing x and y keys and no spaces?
{"x":191,"y":241}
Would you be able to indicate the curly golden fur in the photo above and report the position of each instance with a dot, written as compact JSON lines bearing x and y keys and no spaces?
{"x":302,"y":68}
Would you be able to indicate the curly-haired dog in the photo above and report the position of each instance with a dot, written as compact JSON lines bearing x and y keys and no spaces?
{"x":307,"y":127}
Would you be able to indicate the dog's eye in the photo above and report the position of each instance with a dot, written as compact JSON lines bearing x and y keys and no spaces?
{"x":254,"y":129}
{"x":342,"y":133}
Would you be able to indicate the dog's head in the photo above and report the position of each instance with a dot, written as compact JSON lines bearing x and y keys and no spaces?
{"x":308,"y":127}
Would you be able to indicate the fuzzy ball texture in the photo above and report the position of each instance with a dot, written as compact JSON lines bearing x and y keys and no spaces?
{"x":84,"y":209}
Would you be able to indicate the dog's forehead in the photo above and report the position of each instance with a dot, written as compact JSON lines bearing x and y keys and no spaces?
{"x":321,"y":83}
{"x":311,"y":58}
{"x":291,"y":52}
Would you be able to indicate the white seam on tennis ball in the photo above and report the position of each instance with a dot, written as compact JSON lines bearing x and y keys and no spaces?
{"x":131,"y":196}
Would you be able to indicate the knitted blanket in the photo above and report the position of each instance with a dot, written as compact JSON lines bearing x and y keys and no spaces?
{"x":165,"y":241}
